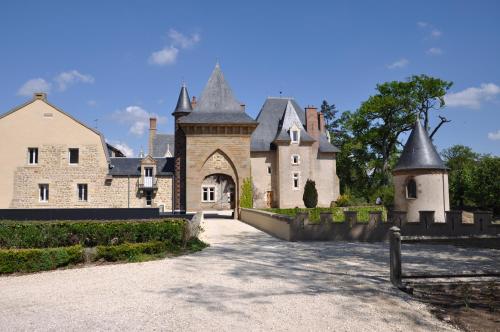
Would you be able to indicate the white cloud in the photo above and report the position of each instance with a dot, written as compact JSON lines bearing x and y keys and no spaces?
{"x":165,"y":56}
{"x":92,"y":103}
{"x":430,"y":28}
{"x":34,"y":85}
{"x":181,"y":40}
{"x":434,"y":51}
{"x":123,"y":147}
{"x":137,"y":118}
{"x":435,"y":33}
{"x":473,"y":97}
{"x":401,"y":63}
{"x":494,"y":136}
{"x":71,"y":77}
{"x":422,"y":24}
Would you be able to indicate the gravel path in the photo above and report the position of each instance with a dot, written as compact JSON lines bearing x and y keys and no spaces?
{"x":246,"y":280}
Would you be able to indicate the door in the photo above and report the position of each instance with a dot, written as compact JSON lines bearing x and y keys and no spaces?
{"x":269,"y":199}
{"x":148,"y":177}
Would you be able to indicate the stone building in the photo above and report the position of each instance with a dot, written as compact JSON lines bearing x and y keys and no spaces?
{"x":54,"y":160}
{"x":421,"y":178}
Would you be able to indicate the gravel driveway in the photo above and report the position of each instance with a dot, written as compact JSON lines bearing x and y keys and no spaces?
{"x":246,"y":280}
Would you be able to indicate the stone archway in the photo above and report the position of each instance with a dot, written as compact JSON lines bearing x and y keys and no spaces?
{"x":218,"y":192}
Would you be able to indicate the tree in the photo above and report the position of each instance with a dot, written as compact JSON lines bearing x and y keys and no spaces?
{"x":461,"y":161}
{"x":332,"y":122}
{"x":246,"y":197}
{"x":485,"y":189}
{"x":310,"y":196}
{"x":428,"y":94}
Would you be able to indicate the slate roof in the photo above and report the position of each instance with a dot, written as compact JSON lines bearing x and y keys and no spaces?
{"x":163,"y":143}
{"x":113,"y":150}
{"x":273,"y":119}
{"x":132,"y":166}
{"x":217,"y":104}
{"x":183,"y":103}
{"x":289,"y":119}
{"x":419,"y":152}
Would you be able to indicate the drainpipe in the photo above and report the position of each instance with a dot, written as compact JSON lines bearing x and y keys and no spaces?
{"x":173,"y":193}
{"x":128,"y":192}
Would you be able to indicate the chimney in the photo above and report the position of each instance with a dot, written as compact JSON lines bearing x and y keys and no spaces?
{"x":243,"y":106}
{"x":312,"y":121}
{"x":321,"y":123}
{"x":152,"y":135}
{"x":40,"y":96}
{"x":193,"y":102}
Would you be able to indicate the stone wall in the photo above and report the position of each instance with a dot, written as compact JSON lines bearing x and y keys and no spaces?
{"x":53,"y":168}
{"x":300,"y":228}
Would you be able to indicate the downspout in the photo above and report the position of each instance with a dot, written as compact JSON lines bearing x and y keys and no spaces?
{"x":444,"y":198}
{"x":173,"y":193}
{"x":128,"y":192}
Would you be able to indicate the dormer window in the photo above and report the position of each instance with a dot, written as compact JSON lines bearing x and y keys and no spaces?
{"x":295,"y":136}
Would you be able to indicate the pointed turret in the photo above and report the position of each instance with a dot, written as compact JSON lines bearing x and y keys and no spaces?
{"x":419,"y":153}
{"x":183,"y":103}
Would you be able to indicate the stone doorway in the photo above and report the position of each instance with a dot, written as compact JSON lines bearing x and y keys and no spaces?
{"x":218,"y":192}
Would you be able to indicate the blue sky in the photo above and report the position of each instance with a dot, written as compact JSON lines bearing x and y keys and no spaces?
{"x":119,"y":62}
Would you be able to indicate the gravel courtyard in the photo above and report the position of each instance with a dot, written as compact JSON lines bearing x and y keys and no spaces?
{"x":245,"y":280}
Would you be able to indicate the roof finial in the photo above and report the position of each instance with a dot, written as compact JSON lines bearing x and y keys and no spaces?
{"x":217,"y":64}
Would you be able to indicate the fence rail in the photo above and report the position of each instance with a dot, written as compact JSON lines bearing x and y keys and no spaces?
{"x":396,"y":270}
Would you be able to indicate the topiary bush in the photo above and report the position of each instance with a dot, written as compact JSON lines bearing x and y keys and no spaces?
{"x":130,"y":251}
{"x":246,"y":197}
{"x":34,"y":260}
{"x":310,"y":196}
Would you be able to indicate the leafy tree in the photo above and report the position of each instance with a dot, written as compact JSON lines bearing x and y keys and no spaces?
{"x":427,"y":94}
{"x":246,"y":197}
{"x":332,"y":122}
{"x":310,"y":196}
{"x":485,"y":189}
{"x":461,"y":161}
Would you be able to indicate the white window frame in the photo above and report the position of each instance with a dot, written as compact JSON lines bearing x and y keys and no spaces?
{"x":209,"y":188}
{"x":69,"y":156}
{"x":269,"y":170}
{"x":293,"y":159}
{"x":35,"y":150}
{"x":83,"y":195}
{"x":296,"y":176}
{"x":297,"y":132}
{"x":43,"y":192}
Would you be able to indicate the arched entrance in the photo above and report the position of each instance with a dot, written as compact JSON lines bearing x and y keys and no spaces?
{"x":218,"y":192}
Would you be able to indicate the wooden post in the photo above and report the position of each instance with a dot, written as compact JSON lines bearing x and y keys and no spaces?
{"x":395,"y":256}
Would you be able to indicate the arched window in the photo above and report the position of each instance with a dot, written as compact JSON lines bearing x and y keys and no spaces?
{"x":411,"y":189}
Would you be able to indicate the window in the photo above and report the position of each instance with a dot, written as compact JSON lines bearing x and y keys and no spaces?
{"x":82,"y":192}
{"x":295,"y":180}
{"x":73,"y":156}
{"x":208,"y":194}
{"x":295,"y":159}
{"x":33,"y":156}
{"x":148,"y":172}
{"x":43,"y":192}
{"x":411,"y":189}
{"x":269,"y":170}
{"x":149,"y":198}
{"x":295,"y":136}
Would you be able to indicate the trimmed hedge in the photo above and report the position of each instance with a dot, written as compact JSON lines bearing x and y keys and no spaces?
{"x":33,"y":260}
{"x":88,"y":233}
{"x":337,"y":212}
{"x":130,"y":251}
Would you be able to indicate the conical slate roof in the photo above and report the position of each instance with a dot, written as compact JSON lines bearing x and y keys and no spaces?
{"x":217,"y":104}
{"x":183,"y":103}
{"x":217,"y":96}
{"x":419,"y":153}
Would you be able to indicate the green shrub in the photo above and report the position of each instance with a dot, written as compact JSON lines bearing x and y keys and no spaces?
{"x":246,"y":197}
{"x":343,"y":200}
{"x":386,"y":193}
{"x":310,"y":196}
{"x":88,"y":233}
{"x":33,"y":260}
{"x":337,"y":212}
{"x":131,"y":251}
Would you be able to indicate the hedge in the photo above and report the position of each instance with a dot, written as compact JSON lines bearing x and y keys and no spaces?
{"x":88,"y":233}
{"x":33,"y":260}
{"x":130,"y":251}
{"x":337,"y":212}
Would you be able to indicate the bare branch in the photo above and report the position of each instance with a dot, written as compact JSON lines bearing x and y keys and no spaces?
{"x":443,"y":120}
